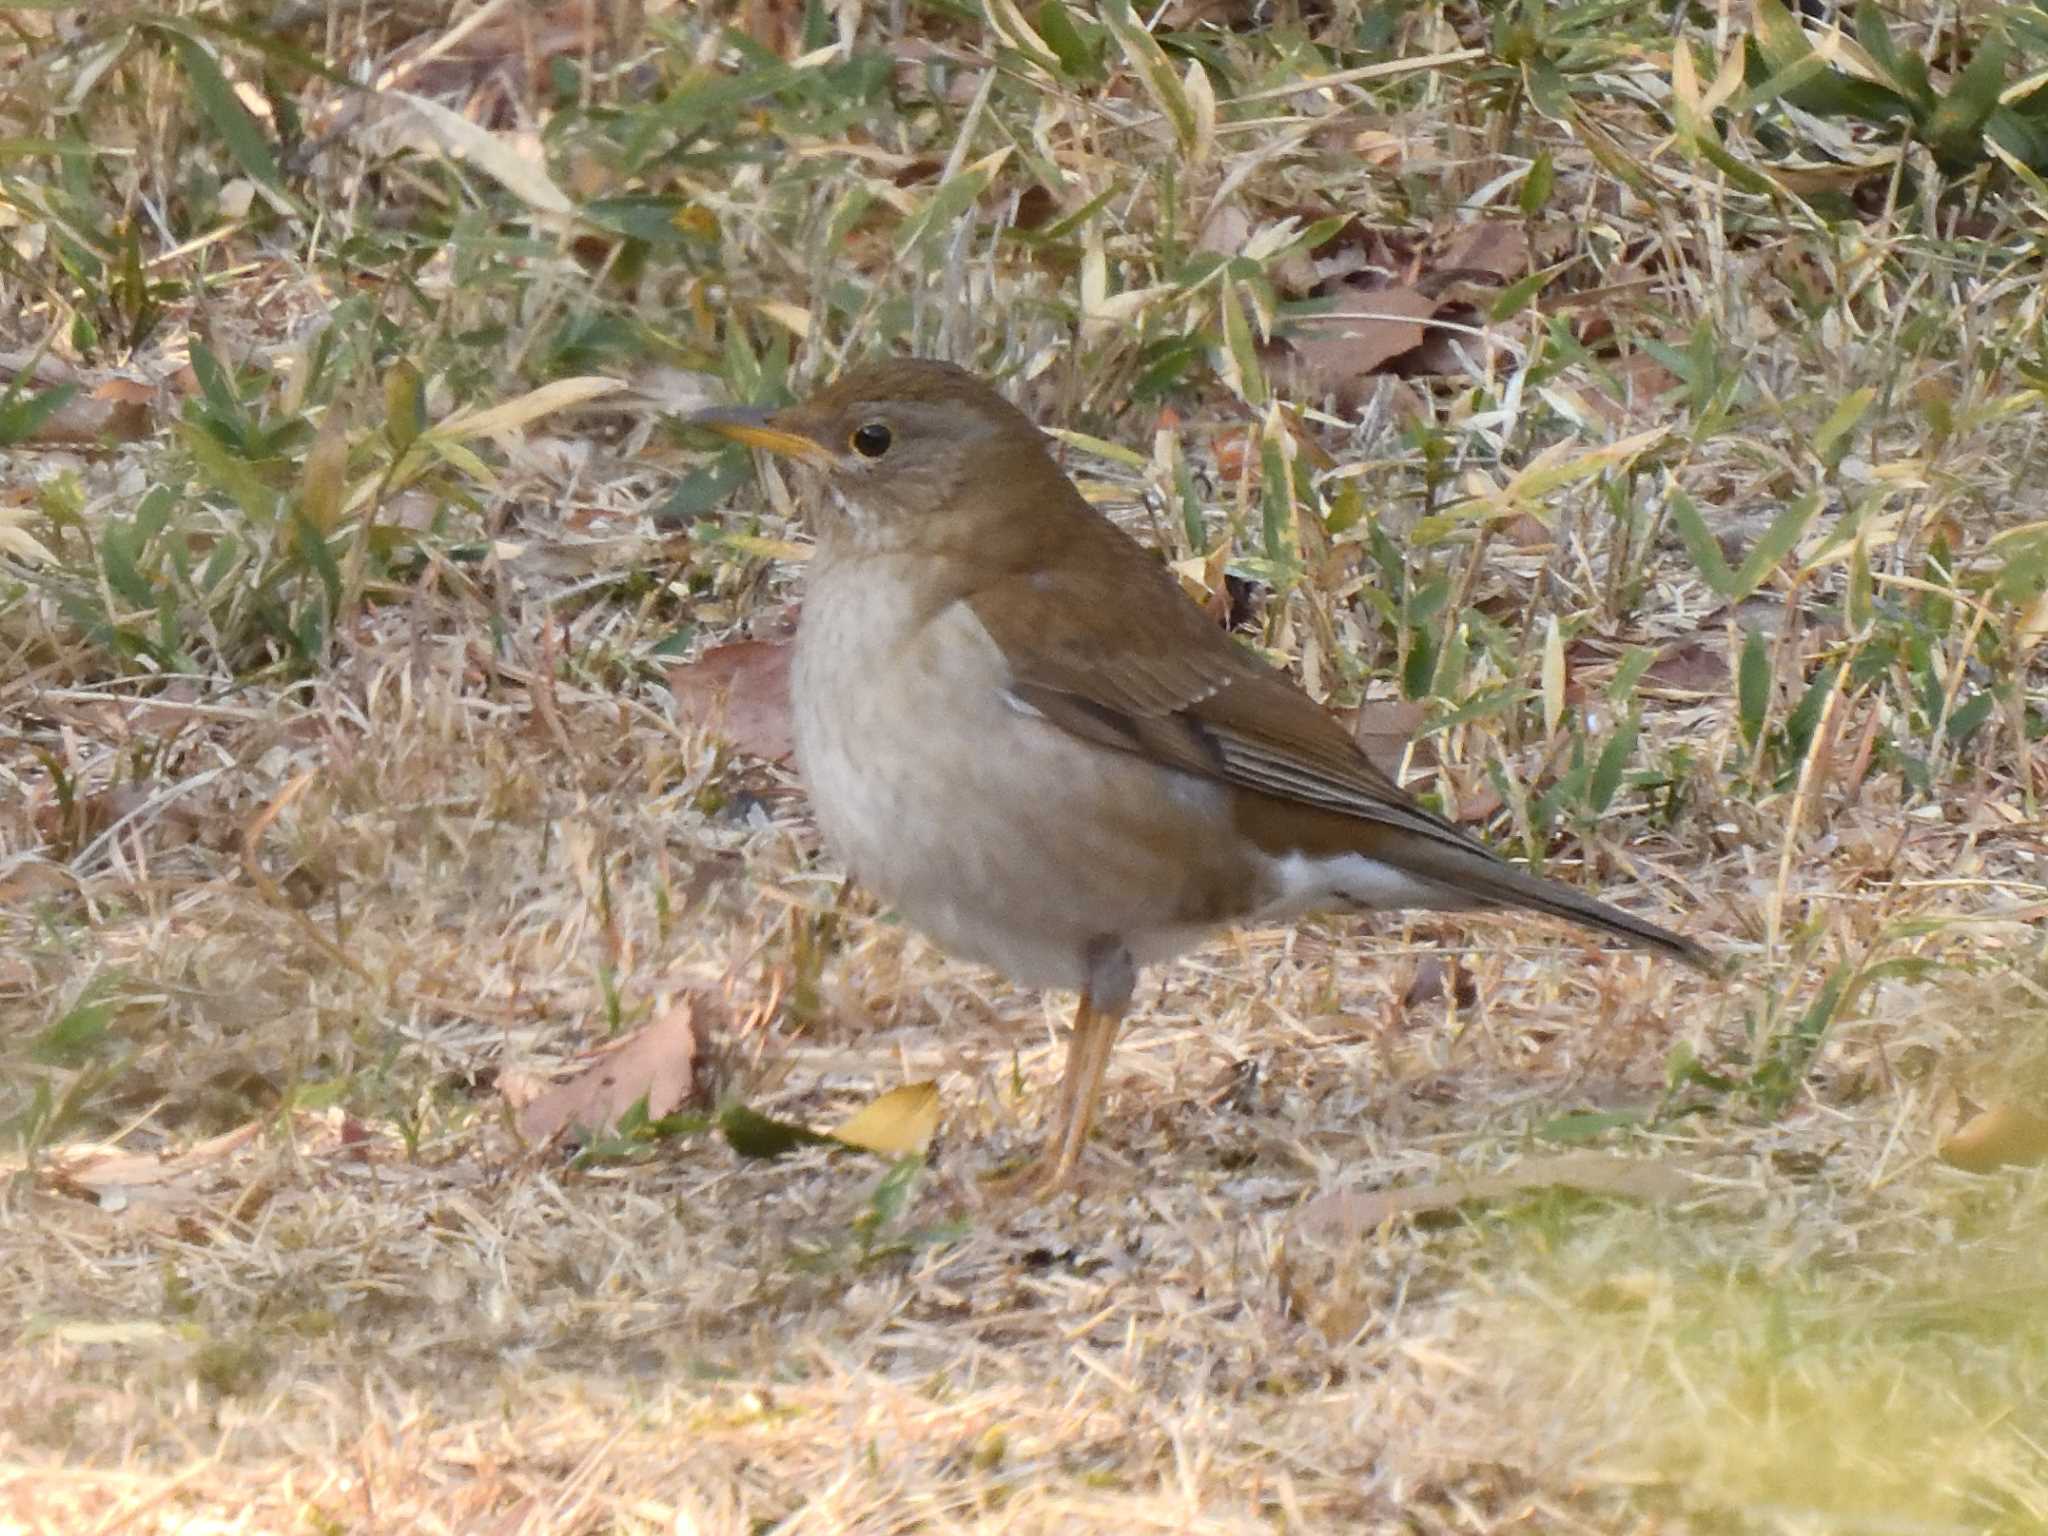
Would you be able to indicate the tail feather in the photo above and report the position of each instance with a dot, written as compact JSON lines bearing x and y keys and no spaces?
{"x":1479,"y":875}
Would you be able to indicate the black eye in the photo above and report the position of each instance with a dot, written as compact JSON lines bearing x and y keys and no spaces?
{"x":870,"y":441}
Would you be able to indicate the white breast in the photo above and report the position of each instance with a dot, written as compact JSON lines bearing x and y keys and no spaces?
{"x":965,"y":811}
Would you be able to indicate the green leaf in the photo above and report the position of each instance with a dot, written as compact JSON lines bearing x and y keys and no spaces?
{"x":1079,"y":59}
{"x":705,"y":487}
{"x":756,"y":1135}
{"x":2025,"y":137}
{"x":1840,"y":422}
{"x":1536,"y":186}
{"x":662,"y":221}
{"x":1613,"y":759}
{"x":1753,"y":685}
{"x":1777,"y":1079}
{"x":228,"y":471}
{"x":1905,"y":73}
{"x":1799,"y":725}
{"x":1276,"y":497}
{"x":892,"y":1192}
{"x":1420,"y":666}
{"x":405,"y":405}
{"x":1861,"y":588}
{"x":242,"y":134}
{"x":73,"y":1038}
{"x":20,"y":417}
{"x":1153,"y":68}
{"x":1744,"y":176}
{"x":1955,"y":129}
{"x":313,"y":549}
{"x":1516,"y":296}
{"x":1588,"y":1125}
{"x":215,"y":387}
{"x":1969,"y":717}
{"x":1763,"y":557}
{"x":953,"y":198}
{"x":119,"y":548}
{"x":1244,"y":352}
{"x":1701,"y":544}
{"x":1633,"y":665}
{"x":1549,"y":92}
{"x":1783,"y":63}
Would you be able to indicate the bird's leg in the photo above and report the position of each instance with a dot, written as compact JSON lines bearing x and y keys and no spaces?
{"x":1080,"y":1091}
{"x":1111,"y":977}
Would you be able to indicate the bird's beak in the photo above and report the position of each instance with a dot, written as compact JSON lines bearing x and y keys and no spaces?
{"x":757,"y":427}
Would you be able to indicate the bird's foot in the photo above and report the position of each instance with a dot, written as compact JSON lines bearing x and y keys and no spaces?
{"x":1043,"y":1177}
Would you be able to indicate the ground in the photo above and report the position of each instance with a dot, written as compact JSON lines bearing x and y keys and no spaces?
{"x":388,"y":721}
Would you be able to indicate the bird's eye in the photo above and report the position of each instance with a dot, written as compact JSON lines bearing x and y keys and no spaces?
{"x":870,"y":441}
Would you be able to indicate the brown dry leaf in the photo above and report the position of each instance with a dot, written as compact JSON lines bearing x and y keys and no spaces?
{"x":1226,"y":231}
{"x":1478,"y":804}
{"x":116,"y":410}
{"x":1344,"y":1217}
{"x":1334,"y":354}
{"x":1643,"y":383}
{"x":148,"y":805}
{"x":657,"y":1063}
{"x":1495,"y":248}
{"x":775,"y":25}
{"x":1384,"y":727}
{"x":16,"y":540}
{"x":2002,"y":1136}
{"x":900,"y":1122}
{"x":103,"y":1168}
{"x":741,"y":691}
{"x":1698,"y":665}
{"x":483,"y":58}
{"x":1427,"y":984}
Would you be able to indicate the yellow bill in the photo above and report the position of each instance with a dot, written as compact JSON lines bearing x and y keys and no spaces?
{"x":754,"y":426}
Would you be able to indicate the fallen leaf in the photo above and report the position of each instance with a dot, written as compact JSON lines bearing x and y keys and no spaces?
{"x":657,"y":1063}
{"x":1641,"y":382}
{"x":752,"y":1134}
{"x":1333,"y":354}
{"x":1428,"y":982}
{"x":1344,"y":1217}
{"x":900,"y":1122}
{"x":17,"y":541}
{"x":741,"y":691}
{"x":1384,"y":727}
{"x":2002,"y":1136}
{"x":514,"y":160}
{"x":115,"y":410}
{"x":1691,"y":666}
{"x":1495,"y":248}
{"x":99,"y":1168}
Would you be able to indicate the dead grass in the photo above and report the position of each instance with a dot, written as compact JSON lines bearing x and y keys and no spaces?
{"x":278,"y":938}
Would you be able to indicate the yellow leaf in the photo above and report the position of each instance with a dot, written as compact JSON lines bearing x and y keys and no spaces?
{"x":324,"y":480}
{"x":517,"y":412}
{"x":900,"y":1122}
{"x":793,"y":318}
{"x":515,"y":162}
{"x":1553,"y":677}
{"x":18,"y":541}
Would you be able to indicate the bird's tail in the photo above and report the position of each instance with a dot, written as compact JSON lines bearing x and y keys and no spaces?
{"x":1479,"y":874}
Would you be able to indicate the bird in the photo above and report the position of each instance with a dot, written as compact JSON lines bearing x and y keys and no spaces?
{"x":1019,"y":731}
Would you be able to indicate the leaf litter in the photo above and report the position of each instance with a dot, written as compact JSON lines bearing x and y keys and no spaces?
{"x":474,"y":846}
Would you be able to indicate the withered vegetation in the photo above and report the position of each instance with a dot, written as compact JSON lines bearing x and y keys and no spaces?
{"x":1645,"y":412}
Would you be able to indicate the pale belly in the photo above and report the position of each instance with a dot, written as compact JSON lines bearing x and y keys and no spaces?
{"x":977,"y":820}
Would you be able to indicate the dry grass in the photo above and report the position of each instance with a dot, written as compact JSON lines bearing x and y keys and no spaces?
{"x":283,"y":935}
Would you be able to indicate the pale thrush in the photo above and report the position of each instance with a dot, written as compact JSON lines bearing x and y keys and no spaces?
{"x":1019,"y":732}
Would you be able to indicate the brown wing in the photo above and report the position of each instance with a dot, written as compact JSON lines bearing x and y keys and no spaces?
{"x":1133,"y":665}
